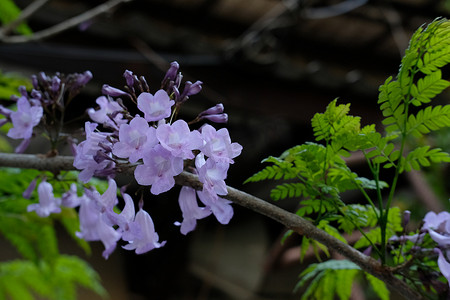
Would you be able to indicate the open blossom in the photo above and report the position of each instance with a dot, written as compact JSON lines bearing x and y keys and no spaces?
{"x":179,"y":139}
{"x":47,"y":202}
{"x":212,"y":174}
{"x":218,"y":144}
{"x":190,"y":210}
{"x":145,"y":237}
{"x":24,"y":119}
{"x":108,"y":109}
{"x":155,"y":107}
{"x":94,"y":225}
{"x":438,"y":226}
{"x":134,"y":139}
{"x":158,"y":170}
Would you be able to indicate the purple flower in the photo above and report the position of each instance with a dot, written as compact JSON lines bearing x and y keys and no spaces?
{"x":47,"y":202}
{"x":146,"y":238}
{"x":158,"y":170}
{"x":87,"y":151}
{"x":70,"y":198}
{"x":178,"y":139}
{"x":24,"y":119}
{"x":221,"y":208}
{"x":92,"y":221}
{"x":108,"y":109}
{"x":190,"y":209}
{"x":155,"y":107}
{"x":443,"y":264}
{"x":134,"y":139}
{"x":212,"y":174}
{"x":218,"y":144}
{"x":438,"y":226}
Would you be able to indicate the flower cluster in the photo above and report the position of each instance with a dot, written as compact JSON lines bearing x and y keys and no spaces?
{"x":98,"y":220}
{"x":50,"y":94}
{"x":153,"y":142}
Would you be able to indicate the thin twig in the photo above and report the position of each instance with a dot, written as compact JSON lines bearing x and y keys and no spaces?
{"x":65,"y":25}
{"x":25,"y":14}
{"x":290,"y":220}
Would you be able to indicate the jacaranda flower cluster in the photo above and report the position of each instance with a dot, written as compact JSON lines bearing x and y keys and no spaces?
{"x":153,"y":142}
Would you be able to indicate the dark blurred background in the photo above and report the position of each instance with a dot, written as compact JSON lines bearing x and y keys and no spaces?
{"x":273,"y":64}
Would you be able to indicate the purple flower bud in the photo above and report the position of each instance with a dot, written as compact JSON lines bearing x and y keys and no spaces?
{"x":191,"y":88}
{"x":129,"y":77}
{"x":56,"y":83}
{"x":23,"y":91}
{"x":36,"y":94}
{"x":27,"y":193}
{"x":220,"y":118}
{"x":42,"y":77}
{"x":406,"y":218}
{"x":112,"y":91}
{"x":217,"y":109}
{"x":84,"y":78}
{"x":178,"y":80}
{"x":172,"y":72}
{"x":34,"y":81}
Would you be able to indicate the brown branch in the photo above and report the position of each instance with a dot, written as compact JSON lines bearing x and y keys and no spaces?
{"x":290,"y":220}
{"x":65,"y":25}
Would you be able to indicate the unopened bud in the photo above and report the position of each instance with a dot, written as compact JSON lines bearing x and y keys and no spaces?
{"x":27,"y":193}
{"x":217,"y":109}
{"x":219,"y":118}
{"x":406,"y":218}
{"x":129,"y":77}
{"x":172,"y":72}
{"x":112,"y":91}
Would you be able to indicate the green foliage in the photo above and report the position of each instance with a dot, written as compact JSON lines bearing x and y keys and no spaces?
{"x":43,"y":271}
{"x":316,"y":174}
{"x":10,"y":12}
{"x":9,"y":83}
{"x":335,"y":277}
{"x":22,"y":279}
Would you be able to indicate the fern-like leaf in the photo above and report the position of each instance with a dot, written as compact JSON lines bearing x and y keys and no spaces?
{"x":423,"y":157}
{"x":428,"y":87}
{"x":287,"y":190}
{"x":428,"y":119}
{"x":330,"y":278}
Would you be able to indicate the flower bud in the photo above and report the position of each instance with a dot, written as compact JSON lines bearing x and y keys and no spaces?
{"x":406,"y":218}
{"x":219,"y":118}
{"x":56,"y":83}
{"x":112,"y":91}
{"x":84,"y":78}
{"x":27,"y":193}
{"x":217,"y":109}
{"x":171,"y":74}
{"x":129,"y":78}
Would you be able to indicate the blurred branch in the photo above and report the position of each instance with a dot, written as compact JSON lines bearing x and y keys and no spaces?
{"x":290,"y":220}
{"x":63,"y":26}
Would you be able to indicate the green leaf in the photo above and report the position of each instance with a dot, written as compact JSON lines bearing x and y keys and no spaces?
{"x":428,"y":119}
{"x":378,"y":286}
{"x":329,"y":278}
{"x":422,"y":157}
{"x":428,"y":87}
{"x":10,"y":12}
{"x":287,"y":190}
